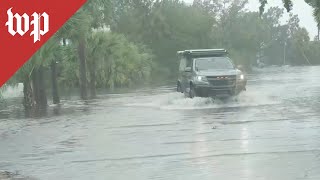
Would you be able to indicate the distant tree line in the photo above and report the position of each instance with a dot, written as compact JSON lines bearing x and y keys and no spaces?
{"x":122,"y":43}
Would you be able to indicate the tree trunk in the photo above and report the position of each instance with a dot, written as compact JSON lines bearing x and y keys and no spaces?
{"x":64,"y":41}
{"x":42,"y":88}
{"x":35,"y":86}
{"x":55,"y":91}
{"x":83,"y":73}
{"x":39,"y":90}
{"x":318,"y":31}
{"x":92,"y":84}
{"x":28,"y":98}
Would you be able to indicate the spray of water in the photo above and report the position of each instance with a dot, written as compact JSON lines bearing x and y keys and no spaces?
{"x":12,"y":91}
{"x":176,"y":101}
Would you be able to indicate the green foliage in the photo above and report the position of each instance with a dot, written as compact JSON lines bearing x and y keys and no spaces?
{"x":262,"y":5}
{"x":288,"y":4}
{"x":42,"y":57}
{"x":145,"y":36}
{"x":166,"y":27}
{"x":120,"y":63}
{"x":69,"y":73}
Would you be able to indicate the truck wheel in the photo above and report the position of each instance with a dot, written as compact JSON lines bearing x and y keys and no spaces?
{"x":192,"y":92}
{"x":179,"y":88}
{"x":234,"y":92}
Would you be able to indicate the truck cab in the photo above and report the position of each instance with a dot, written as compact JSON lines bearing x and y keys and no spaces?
{"x":209,"y":73}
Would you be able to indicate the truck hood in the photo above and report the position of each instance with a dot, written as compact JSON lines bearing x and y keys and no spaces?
{"x":222,"y":72}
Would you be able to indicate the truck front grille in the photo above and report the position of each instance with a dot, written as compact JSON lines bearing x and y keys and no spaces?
{"x":222,"y":80}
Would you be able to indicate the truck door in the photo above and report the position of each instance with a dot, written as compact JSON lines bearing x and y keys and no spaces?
{"x":182,"y":67}
{"x":187,"y":73}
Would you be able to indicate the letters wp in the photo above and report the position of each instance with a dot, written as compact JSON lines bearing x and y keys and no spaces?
{"x":38,"y":21}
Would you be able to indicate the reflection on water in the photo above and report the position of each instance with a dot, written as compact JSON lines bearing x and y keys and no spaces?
{"x":244,"y":139}
{"x":271,"y":131}
{"x":201,"y":143}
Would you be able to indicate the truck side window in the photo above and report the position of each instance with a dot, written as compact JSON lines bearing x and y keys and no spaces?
{"x":189,"y":62}
{"x":183,"y":64}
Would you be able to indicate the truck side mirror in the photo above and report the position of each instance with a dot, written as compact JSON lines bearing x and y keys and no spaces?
{"x":187,"y":69}
{"x":240,"y":67}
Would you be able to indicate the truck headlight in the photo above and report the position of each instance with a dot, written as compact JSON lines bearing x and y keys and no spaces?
{"x":201,"y":78}
{"x":241,"y":77}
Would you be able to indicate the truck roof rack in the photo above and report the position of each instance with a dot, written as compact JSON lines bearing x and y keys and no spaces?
{"x":203,"y":52}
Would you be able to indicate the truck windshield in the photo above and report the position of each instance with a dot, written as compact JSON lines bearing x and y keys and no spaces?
{"x":208,"y":63}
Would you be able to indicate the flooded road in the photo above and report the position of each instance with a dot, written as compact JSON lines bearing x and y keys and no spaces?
{"x":272,"y":131}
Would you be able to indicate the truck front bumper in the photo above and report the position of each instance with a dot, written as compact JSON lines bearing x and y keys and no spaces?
{"x":208,"y":90}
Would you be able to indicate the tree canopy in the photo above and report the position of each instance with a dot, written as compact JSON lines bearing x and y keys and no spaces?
{"x":121,"y":43}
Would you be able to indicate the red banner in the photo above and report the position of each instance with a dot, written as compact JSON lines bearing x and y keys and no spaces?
{"x":25,"y":25}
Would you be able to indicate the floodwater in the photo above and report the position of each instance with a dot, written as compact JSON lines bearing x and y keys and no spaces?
{"x":270,"y":132}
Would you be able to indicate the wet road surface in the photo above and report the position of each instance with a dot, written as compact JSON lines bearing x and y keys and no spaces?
{"x":272,"y":131}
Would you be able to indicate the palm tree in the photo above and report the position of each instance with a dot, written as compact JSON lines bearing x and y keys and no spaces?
{"x":24,"y":75}
{"x":288,"y":5}
{"x":96,"y":52}
{"x":57,"y":56}
{"x":316,"y":13}
{"x":32,"y":76}
{"x":78,"y":29}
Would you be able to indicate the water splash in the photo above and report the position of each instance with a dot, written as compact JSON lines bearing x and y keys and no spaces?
{"x":12,"y":91}
{"x":177,"y":101}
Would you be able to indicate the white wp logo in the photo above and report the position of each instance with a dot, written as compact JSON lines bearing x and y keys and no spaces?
{"x":21,"y":24}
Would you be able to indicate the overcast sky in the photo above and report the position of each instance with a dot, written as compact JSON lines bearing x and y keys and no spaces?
{"x":303,"y":10}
